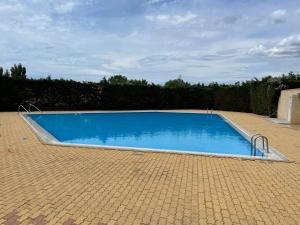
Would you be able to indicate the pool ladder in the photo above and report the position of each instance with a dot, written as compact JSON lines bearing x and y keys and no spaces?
{"x":209,"y":111}
{"x":264,"y":143}
{"x":29,"y":109}
{"x":32,"y":105}
{"x":22,"y":107}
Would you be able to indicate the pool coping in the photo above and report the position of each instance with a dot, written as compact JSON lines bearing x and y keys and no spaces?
{"x":46,"y":138}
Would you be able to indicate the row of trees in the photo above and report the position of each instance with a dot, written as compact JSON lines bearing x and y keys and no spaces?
{"x":258,"y":96}
{"x":122,"y":80}
{"x":16,"y":72}
{"x":120,"y":93}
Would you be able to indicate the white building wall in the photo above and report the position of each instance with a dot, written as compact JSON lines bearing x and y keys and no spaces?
{"x":289,"y":106}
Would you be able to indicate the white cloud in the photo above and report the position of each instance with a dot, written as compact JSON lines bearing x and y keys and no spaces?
{"x":39,"y":21}
{"x":122,"y":63}
{"x":287,"y":47}
{"x":10,"y":7}
{"x":159,"y":2}
{"x":298,"y":11}
{"x":231,"y":19}
{"x":155,"y":1}
{"x":204,"y":34}
{"x":258,"y":50}
{"x":193,"y":38}
{"x":173,"y":19}
{"x":279,"y":16}
{"x":65,"y":7}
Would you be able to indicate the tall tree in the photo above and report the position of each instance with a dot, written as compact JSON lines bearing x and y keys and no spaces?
{"x":23,"y":72}
{"x":177,"y":83}
{"x":14,"y":71}
{"x":1,"y":71}
{"x":118,"y":80}
{"x":6,"y":74}
{"x":18,"y":71}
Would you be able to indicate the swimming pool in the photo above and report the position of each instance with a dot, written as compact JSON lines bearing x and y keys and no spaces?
{"x":158,"y":131}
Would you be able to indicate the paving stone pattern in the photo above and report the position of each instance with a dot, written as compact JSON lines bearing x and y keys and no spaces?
{"x":43,"y":185}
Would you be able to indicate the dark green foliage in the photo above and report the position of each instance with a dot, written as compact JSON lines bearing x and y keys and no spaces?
{"x":265,"y":93}
{"x":48,"y":94}
{"x":118,"y":80}
{"x":232,"y":98}
{"x":1,"y":72}
{"x":122,"y":80}
{"x":18,"y":71}
{"x":120,"y":93}
{"x":154,"y":97}
{"x":138,"y":82}
{"x":177,"y":83}
{"x":6,"y":74}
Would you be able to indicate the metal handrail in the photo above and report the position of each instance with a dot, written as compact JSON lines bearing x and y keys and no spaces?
{"x":32,"y":105}
{"x":265,"y":143}
{"x":252,"y":142}
{"x":21,"y":106}
{"x":209,"y":111}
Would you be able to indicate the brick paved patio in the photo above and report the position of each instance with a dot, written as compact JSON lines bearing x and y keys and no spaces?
{"x":42,"y":184}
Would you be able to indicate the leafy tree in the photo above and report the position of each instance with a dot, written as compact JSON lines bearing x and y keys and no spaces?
{"x":213,"y":85}
{"x":6,"y":74}
{"x":103,"y":82}
{"x":177,"y":83}
{"x":122,"y":80}
{"x":23,"y":72}
{"x":1,"y":71}
{"x":138,"y":82}
{"x":118,"y":80}
{"x":18,"y":71}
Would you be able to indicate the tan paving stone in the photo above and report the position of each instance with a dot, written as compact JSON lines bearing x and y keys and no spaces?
{"x":93,"y":186}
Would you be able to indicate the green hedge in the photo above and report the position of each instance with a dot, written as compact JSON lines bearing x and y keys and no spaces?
{"x":257,"y":96}
{"x":48,"y":94}
{"x":234,"y":98}
{"x":154,"y":97}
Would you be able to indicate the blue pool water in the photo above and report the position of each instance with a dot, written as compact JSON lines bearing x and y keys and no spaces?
{"x":185,"y":132}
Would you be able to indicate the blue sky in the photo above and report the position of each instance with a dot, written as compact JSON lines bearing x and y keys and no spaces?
{"x":158,"y":40}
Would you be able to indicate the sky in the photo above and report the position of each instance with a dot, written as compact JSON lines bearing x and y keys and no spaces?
{"x":157,"y":40}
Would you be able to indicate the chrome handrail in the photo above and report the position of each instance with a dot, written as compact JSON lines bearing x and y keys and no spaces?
{"x":264,"y":140}
{"x":209,"y":111}
{"x":21,"y":106}
{"x":32,"y":105}
{"x":252,"y":142}
{"x":265,"y":143}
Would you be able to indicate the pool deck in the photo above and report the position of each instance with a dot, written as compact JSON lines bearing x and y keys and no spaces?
{"x":43,"y":184}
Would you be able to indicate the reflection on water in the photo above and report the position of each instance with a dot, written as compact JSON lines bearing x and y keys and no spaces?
{"x":173,"y":131}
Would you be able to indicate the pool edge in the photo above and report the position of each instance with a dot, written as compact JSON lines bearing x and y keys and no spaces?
{"x":48,"y":139}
